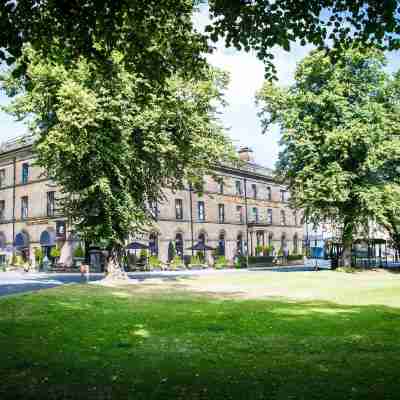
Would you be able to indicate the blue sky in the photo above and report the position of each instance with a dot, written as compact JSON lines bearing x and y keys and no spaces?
{"x":246,"y":77}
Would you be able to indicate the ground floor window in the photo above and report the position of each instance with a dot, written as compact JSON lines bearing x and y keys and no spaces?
{"x":221,"y":245}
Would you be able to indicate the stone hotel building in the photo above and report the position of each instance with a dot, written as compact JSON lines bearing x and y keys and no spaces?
{"x":247,"y":208}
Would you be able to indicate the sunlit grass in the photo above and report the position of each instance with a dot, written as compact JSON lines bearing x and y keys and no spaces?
{"x":88,"y":342}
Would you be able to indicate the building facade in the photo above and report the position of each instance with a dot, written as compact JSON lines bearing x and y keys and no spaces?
{"x":241,"y":210}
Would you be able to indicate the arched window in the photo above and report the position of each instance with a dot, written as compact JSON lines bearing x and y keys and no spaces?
{"x":221,"y":244}
{"x":295,"y":244}
{"x":239,"y":244}
{"x":179,"y":244}
{"x":153,"y":243}
{"x":270,"y":238}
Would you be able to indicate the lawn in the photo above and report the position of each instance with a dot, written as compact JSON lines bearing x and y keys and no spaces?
{"x":91,"y":342}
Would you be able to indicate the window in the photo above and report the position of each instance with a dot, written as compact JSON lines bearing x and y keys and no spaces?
{"x":2,"y":209}
{"x":221,"y":187}
{"x":270,"y":238}
{"x":269,"y":193}
{"x":269,"y":216}
{"x":2,"y":177}
{"x":283,"y":196}
{"x":153,"y":206}
{"x":255,"y":214}
{"x":200,"y":211}
{"x":24,"y":207}
{"x":239,"y":210}
{"x":283,"y":217}
{"x":178,"y":209}
{"x":25,"y":172}
{"x":50,"y":204}
{"x":239,"y":191}
{"x":221,"y":213}
{"x":254,"y":190}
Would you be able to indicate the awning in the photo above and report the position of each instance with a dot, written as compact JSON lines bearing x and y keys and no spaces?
{"x":48,"y":238}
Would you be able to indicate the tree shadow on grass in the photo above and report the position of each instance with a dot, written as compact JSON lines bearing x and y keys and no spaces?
{"x":192,"y":347}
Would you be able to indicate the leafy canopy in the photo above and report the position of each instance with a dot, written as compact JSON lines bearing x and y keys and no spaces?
{"x":262,"y":24}
{"x":110,"y":151}
{"x":157,"y":36}
{"x":341,"y":127}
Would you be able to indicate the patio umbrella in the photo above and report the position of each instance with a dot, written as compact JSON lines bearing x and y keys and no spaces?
{"x":201,"y":247}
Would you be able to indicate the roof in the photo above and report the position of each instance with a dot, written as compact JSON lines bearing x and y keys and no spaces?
{"x":16,"y":143}
{"x":28,"y":140}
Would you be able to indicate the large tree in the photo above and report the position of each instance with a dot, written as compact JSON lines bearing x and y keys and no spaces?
{"x":111,"y":152}
{"x":157,"y":35}
{"x":340,"y":137}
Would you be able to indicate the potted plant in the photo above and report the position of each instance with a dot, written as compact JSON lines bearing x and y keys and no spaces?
{"x":55,"y":254}
{"x":79,"y":256}
{"x":154,"y":262}
{"x":38,"y":252}
{"x":221,"y":262}
{"x":176,"y":263}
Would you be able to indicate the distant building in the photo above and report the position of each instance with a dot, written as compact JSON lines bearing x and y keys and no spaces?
{"x":247,"y":208}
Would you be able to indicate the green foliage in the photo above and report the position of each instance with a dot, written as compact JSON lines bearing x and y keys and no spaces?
{"x":79,"y":252}
{"x":38,"y":255}
{"x":262,"y":24}
{"x":143,"y":254}
{"x":156,"y":39}
{"x":176,"y":263}
{"x":221,"y":262}
{"x":267,"y":250}
{"x":340,"y":140}
{"x":200,"y":256}
{"x":55,"y":252}
{"x":154,"y":262}
{"x":112,"y":150}
{"x":196,"y":260}
{"x":280,"y":252}
{"x":259,"y":249}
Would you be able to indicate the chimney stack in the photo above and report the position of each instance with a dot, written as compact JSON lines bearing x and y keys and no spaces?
{"x":246,"y":154}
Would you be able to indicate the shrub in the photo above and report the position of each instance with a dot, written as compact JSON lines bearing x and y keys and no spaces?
{"x":79,"y":252}
{"x":154,"y":262}
{"x":38,"y":255}
{"x":200,"y":255}
{"x":267,"y":250}
{"x":280,"y":252}
{"x":143,"y":254}
{"x":259,"y":249}
{"x":177,"y":262}
{"x":196,"y":260}
{"x":221,"y":262}
{"x":55,"y":252}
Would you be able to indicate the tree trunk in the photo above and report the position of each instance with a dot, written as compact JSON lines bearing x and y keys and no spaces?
{"x":347,"y":242}
{"x":114,"y":269}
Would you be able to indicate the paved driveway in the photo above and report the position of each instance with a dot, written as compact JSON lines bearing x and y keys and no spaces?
{"x":18,"y":282}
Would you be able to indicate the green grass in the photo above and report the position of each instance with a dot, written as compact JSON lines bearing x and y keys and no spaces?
{"x":88,"y":342}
